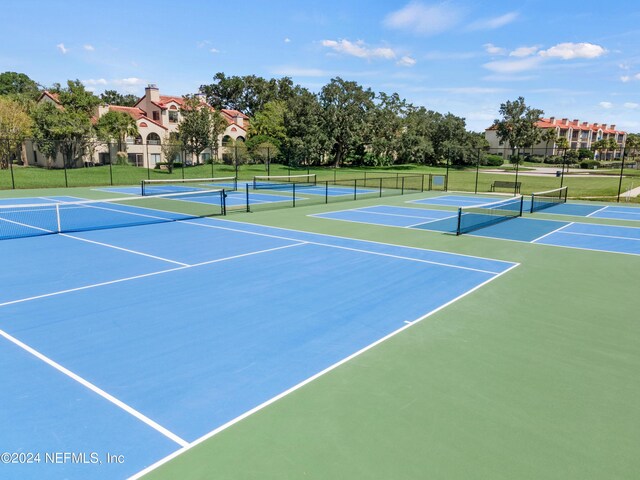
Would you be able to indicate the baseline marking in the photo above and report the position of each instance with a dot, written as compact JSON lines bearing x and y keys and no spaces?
{"x":308,"y":380}
{"x":119,"y":403}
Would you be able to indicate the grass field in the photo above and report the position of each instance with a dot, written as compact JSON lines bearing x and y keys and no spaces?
{"x":602,"y":184}
{"x":532,"y":376}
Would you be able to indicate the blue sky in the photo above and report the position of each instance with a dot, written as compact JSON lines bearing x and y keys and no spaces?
{"x":570,"y":59}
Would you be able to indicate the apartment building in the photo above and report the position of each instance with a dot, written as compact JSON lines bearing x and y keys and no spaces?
{"x":157,"y":117}
{"x":578,"y":134}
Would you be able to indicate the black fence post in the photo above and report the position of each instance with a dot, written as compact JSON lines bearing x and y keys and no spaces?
{"x":326,"y":191}
{"x":621,"y":173}
{"x":10,"y":162}
{"x":477,"y":171}
{"x":381,"y":184}
{"x":294,"y":194}
{"x":355,"y":188}
{"x":64,"y":164}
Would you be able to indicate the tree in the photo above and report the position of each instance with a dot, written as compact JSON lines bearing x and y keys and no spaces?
{"x":247,"y":94}
{"x":67,"y":128}
{"x":632,"y":145}
{"x":600,"y":146}
{"x":385,"y":127}
{"x":304,"y":139}
{"x":116,"y":126}
{"x":195,"y":129}
{"x":15,"y":127}
{"x":112,"y":97}
{"x":171,"y":149}
{"x":269,"y":121}
{"x":517,"y":128}
{"x":345,"y":106}
{"x":548,"y":135}
{"x":15,"y":84}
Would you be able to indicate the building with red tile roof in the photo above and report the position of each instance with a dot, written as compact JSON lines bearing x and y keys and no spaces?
{"x":578,"y":134}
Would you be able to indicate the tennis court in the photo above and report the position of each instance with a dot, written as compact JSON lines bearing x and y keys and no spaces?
{"x":613,"y":212}
{"x":139,"y":341}
{"x":606,"y":238}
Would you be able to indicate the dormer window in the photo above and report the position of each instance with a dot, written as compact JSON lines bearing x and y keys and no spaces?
{"x":173,"y":116}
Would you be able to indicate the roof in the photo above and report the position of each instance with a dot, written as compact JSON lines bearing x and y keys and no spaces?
{"x":53,"y":96}
{"x":136,"y":113}
{"x":573,"y":124}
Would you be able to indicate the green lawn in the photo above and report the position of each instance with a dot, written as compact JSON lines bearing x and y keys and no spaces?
{"x":602,"y":184}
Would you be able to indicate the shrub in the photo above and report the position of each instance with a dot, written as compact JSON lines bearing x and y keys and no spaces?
{"x":536,"y":159}
{"x":589,"y":164}
{"x":493,"y":160}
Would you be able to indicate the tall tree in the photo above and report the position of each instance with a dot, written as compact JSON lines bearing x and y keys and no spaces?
{"x":112,"y":97}
{"x":15,"y":127}
{"x":386,"y":126}
{"x":304,"y":140}
{"x":66,"y":129}
{"x":12,"y":83}
{"x":548,"y":136}
{"x":269,"y":121}
{"x":517,"y":127}
{"x":195,"y":129}
{"x":345,"y":106}
{"x":116,"y":126}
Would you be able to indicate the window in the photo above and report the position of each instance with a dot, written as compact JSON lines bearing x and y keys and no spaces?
{"x":156,"y":116}
{"x":135,"y":159}
{"x":173,"y":116}
{"x":153,"y":139}
{"x":154,"y":160}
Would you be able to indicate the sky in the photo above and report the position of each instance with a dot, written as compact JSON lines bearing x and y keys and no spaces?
{"x":576,"y":60}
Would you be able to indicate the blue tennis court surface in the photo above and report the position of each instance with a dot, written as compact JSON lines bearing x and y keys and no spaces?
{"x":612,"y":212}
{"x":604,"y":238}
{"x":138,"y":341}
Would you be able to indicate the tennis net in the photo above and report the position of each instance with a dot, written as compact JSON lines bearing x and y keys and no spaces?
{"x":177,"y":185}
{"x":480,"y":216}
{"x":30,"y":220}
{"x":284,"y":181}
{"x":542,"y":200}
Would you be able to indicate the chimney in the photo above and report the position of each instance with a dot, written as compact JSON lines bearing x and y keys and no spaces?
{"x":102,"y":109}
{"x":595,"y":124}
{"x":603,"y":126}
{"x":202,"y":98}
{"x":152,"y":93}
{"x":575,"y":121}
{"x":565,"y":121}
{"x":612,"y":127}
{"x":552,"y":120}
{"x":584,"y":124}
{"x":239,"y":120}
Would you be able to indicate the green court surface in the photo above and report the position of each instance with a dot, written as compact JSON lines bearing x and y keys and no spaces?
{"x":532,"y":376}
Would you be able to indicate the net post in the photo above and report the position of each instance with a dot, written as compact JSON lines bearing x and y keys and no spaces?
{"x":380,"y":187}
{"x":58,"y":222}
{"x":402,"y":184}
{"x":223,"y":201}
{"x":532,"y":200}
{"x":459,"y":221}
{"x":355,"y":188}
{"x":294,"y":194}
{"x":326,"y":191}
{"x":422,"y":183}
{"x":142,"y":187}
{"x":521,"y":204}
{"x":247,"y":196}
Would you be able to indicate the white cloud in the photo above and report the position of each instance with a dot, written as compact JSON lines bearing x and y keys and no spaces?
{"x":95,"y":81}
{"x":359,"y":49}
{"x":493,"y":23}
{"x":606,"y":105}
{"x":513,"y":66}
{"x":291,"y":71}
{"x":493,"y":50}
{"x":406,"y":61}
{"x":214,"y":50}
{"x":131,"y":81}
{"x":287,"y":40}
{"x":62,"y":48}
{"x":88,"y":47}
{"x":424,"y":19}
{"x":625,"y":78}
{"x":568,"y":51}
{"x":524,"y":51}
{"x":631,"y":105}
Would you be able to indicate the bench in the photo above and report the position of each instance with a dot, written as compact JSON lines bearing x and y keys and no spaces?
{"x":511,"y":185}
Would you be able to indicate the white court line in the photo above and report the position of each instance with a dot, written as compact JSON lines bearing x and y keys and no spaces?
{"x":602,"y":236}
{"x":234,"y":222}
{"x":599,"y":210}
{"x":130,"y":410}
{"x":397,"y":214}
{"x":400,"y":257}
{"x":308,"y":380}
{"x":552,"y":232}
{"x":108,"y":245}
{"x":432,"y":221}
{"x":135,"y":277}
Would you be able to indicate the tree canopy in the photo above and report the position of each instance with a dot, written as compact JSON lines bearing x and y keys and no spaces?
{"x":517,"y":127}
